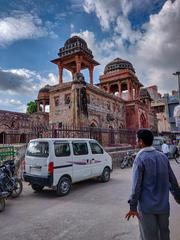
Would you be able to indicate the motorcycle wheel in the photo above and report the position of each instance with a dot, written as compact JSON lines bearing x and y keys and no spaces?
{"x":123,"y":163}
{"x":2,"y":204}
{"x":17,"y":191}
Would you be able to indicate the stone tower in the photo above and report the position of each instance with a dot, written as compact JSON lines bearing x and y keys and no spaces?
{"x":74,"y":56}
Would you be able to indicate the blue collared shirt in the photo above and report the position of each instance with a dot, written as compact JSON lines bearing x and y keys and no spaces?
{"x":152,"y":179}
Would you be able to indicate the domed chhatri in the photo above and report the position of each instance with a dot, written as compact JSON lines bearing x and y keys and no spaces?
{"x":45,"y":89}
{"x":118,"y":64}
{"x":75,"y":56}
{"x":74,"y":45}
{"x":75,"y":39}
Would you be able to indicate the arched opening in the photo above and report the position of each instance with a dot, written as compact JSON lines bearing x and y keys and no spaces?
{"x":124,"y":91}
{"x":143,"y":121}
{"x":23,"y":138}
{"x":95,"y":132}
{"x":114,"y":89}
{"x":2,"y":137}
{"x":105,"y":88}
{"x":93,"y":125}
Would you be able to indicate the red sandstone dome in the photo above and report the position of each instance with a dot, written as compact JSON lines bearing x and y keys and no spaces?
{"x":45,"y":89}
{"x":44,"y":92}
{"x":75,"y":39}
{"x":118,"y":64}
{"x":74,"y":45}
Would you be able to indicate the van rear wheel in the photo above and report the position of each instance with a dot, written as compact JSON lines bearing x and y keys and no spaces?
{"x":64,"y":186}
{"x":105,"y":176}
{"x":37,"y":187}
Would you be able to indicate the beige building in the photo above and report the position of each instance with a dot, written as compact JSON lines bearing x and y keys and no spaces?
{"x":159,"y":108}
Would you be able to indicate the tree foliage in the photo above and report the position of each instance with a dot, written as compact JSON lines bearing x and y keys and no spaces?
{"x":31,"y":107}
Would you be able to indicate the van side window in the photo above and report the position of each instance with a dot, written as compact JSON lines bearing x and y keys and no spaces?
{"x":38,"y":149}
{"x":80,"y":148}
{"x":61,"y":149}
{"x":95,"y":148}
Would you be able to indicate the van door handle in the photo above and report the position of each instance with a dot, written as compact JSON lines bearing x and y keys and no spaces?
{"x":92,"y":160}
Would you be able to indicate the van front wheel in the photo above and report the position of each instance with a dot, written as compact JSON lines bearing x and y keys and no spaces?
{"x":105,"y":177}
{"x":64,"y":186}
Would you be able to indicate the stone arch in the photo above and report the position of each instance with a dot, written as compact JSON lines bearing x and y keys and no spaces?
{"x":2,"y":137}
{"x":95,"y":132}
{"x":94,"y":124}
{"x":143,"y":121}
{"x":124,"y":91}
{"x":124,"y":86}
{"x":114,"y":89}
{"x":121,"y":126}
{"x":23,"y":138}
{"x":105,"y":88}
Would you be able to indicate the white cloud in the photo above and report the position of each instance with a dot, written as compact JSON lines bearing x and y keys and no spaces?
{"x":162,"y":36}
{"x":19,"y":86}
{"x":22,"y":26}
{"x":50,"y":79}
{"x":158,"y":52}
{"x":155,"y":52}
{"x":106,"y":11}
{"x":18,"y":81}
{"x":72,"y":27}
{"x":124,"y":29}
{"x":12,"y":104}
{"x":113,"y":15}
{"x":15,"y":102}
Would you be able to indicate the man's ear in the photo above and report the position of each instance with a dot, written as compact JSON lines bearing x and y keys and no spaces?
{"x":141,"y":142}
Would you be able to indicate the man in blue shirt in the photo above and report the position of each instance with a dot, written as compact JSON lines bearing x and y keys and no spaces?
{"x":152,"y":179}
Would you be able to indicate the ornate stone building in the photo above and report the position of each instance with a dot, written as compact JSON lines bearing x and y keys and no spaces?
{"x":15,"y":127}
{"x":118,"y":101}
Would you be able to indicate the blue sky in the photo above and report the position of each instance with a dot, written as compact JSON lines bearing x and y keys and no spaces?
{"x":144,"y":32}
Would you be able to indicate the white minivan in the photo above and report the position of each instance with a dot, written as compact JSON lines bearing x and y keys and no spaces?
{"x":59,"y":162}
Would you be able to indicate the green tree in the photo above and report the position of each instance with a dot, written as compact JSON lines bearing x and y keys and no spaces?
{"x":31,"y":107}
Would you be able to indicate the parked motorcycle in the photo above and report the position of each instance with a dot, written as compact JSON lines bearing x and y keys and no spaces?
{"x":9,"y":182}
{"x":127,"y":160}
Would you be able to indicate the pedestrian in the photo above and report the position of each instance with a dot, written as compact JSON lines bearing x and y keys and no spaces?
{"x":152,"y":179}
{"x":165,"y":148}
{"x":174,"y":149}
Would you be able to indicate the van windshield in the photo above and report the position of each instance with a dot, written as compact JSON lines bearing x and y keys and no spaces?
{"x":38,"y":149}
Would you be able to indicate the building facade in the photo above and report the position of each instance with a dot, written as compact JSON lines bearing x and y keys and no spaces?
{"x":171,"y":101}
{"x":15,"y":127}
{"x":118,"y":101}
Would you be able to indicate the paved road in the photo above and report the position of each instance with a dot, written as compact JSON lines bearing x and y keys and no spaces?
{"x":92,"y":211}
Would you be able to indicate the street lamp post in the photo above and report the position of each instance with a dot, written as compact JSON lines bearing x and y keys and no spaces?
{"x":178,"y":75}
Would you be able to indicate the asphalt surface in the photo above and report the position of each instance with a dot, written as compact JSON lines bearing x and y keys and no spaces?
{"x":92,"y":211}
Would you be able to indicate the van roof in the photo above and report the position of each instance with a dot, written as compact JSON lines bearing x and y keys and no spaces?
{"x":61,"y":139}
